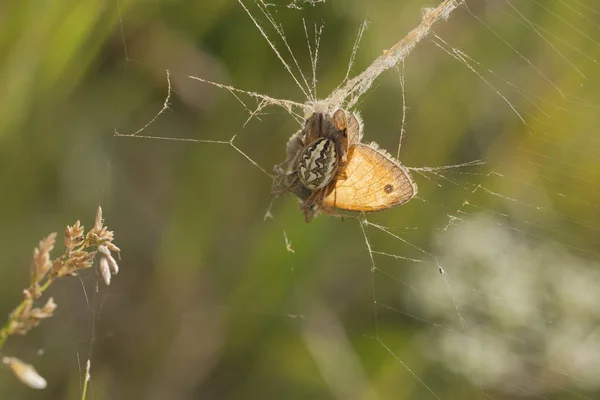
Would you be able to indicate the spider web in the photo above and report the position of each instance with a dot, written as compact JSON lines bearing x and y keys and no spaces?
{"x":484,"y":286}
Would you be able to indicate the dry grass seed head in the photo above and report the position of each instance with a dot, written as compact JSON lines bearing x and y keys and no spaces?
{"x":74,"y":236}
{"x":28,"y":317}
{"x":41,"y":258}
{"x":26,"y":373}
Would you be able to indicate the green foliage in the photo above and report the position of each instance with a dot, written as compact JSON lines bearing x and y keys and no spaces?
{"x":209,"y":302}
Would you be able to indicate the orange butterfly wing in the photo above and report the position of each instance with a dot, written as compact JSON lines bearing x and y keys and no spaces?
{"x":373,"y":181}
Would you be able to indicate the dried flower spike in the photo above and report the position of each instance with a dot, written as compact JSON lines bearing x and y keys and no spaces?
{"x":98,"y":220}
{"x":41,"y":258}
{"x":27,"y":318}
{"x":26,"y":373}
{"x":100,"y":235}
{"x":105,"y":270}
{"x":104,"y":251}
{"x":80,"y":253}
{"x":108,"y":265}
{"x":74,"y":236}
{"x":79,"y":260}
{"x":44,"y":312}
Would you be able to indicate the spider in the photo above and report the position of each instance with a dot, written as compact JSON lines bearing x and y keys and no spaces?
{"x":316,"y":157}
{"x":329,"y":168}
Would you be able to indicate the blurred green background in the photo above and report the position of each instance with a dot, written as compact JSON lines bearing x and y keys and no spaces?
{"x":209,"y":303}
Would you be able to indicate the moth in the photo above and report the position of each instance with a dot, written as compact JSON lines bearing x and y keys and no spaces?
{"x":329,"y":169}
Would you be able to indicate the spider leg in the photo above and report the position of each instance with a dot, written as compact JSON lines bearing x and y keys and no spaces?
{"x":331,"y":211}
{"x":312,"y":204}
{"x":341,"y":173}
{"x":327,"y":209}
{"x":284,"y":181}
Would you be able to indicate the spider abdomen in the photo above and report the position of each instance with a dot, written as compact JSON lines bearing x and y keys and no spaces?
{"x":318,"y":163}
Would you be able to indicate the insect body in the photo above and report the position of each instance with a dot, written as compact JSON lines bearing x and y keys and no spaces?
{"x":317,"y":163}
{"x":316,"y":156}
{"x":328,"y":168}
